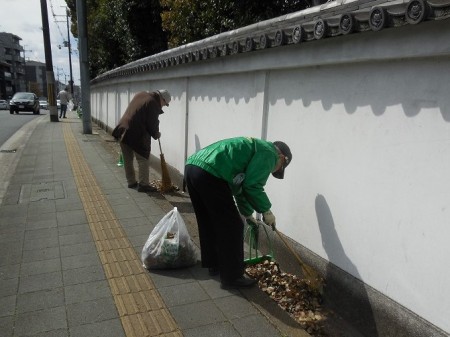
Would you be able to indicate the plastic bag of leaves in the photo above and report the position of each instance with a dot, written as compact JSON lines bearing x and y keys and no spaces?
{"x":169,"y":244}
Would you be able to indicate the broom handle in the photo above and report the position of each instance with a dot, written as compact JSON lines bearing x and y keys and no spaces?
{"x":304,"y":266}
{"x":159,"y":142}
{"x":285,"y":242}
{"x":290,"y":248}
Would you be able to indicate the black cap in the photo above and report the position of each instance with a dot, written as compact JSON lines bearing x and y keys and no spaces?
{"x":284,"y":149}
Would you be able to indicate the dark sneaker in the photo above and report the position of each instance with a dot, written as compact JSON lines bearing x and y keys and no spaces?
{"x":241,"y":282}
{"x":147,"y":188}
{"x":133,"y":185}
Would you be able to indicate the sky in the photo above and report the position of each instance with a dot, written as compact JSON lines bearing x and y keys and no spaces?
{"x":23,"y":18}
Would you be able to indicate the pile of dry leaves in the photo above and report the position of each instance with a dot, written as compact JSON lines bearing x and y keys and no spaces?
{"x":293,"y":294}
{"x":158,"y":184}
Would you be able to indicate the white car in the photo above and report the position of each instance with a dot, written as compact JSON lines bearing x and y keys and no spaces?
{"x":4,"y":104}
{"x":43,"y":104}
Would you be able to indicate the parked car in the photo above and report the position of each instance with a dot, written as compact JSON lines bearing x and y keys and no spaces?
{"x":3,"y":104}
{"x":43,"y":104}
{"x":24,"y":101}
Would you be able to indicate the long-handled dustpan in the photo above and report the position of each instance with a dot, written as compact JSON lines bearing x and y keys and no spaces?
{"x":252,"y":236}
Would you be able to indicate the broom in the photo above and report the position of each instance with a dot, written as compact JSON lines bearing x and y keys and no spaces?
{"x":166,"y":183}
{"x":316,"y":282}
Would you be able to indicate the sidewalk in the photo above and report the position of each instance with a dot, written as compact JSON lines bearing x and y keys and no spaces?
{"x":71,"y":235}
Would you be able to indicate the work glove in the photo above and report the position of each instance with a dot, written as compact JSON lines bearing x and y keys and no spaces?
{"x":251,"y":221}
{"x":269,"y":219}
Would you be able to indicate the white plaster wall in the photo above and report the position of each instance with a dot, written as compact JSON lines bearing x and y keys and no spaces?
{"x":368,"y":120}
{"x":224,"y":106}
{"x":367,"y":187}
{"x":172,"y":125}
{"x":123,"y":99}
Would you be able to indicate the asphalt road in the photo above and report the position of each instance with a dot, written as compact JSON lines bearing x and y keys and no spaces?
{"x":21,"y":128}
{"x":9,"y":124}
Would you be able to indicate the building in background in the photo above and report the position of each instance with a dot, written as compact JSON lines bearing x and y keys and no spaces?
{"x":12,"y":65}
{"x":18,"y":74}
{"x":5,"y":80}
{"x":36,"y":78}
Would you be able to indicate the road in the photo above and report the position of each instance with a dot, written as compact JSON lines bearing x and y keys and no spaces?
{"x":9,"y":124}
{"x":15,"y":130}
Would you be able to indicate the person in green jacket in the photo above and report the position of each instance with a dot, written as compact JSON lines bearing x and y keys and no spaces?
{"x":226,"y":180}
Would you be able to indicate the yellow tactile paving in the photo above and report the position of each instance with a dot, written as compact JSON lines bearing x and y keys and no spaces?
{"x":116,"y":255}
{"x":101,"y":234}
{"x":158,"y":323}
{"x":139,"y":302}
{"x":140,"y":307}
{"x":123,"y":268}
{"x":112,"y":244}
{"x":128,"y":284}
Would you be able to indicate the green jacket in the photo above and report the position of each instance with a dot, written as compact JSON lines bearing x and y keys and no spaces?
{"x":245,"y":163}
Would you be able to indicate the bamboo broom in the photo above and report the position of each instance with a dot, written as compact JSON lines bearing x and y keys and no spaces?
{"x":166,"y":183}
{"x":316,"y":282}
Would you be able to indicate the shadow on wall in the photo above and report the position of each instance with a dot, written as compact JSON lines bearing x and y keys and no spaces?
{"x":197,"y":143}
{"x":354,"y":307}
{"x":379,"y":86}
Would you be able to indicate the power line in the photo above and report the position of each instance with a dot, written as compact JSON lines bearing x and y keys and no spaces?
{"x":55,"y":20}
{"x":66,"y":43}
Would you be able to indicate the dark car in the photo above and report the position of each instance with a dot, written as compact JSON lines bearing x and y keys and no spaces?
{"x":24,"y":101}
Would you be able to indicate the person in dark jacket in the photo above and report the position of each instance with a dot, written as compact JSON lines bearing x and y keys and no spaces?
{"x":223,"y":175}
{"x":140,"y":122}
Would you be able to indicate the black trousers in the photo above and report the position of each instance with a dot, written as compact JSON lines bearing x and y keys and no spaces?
{"x":220,"y":225}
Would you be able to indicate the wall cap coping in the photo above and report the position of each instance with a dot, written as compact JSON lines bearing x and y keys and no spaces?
{"x":334,"y":18}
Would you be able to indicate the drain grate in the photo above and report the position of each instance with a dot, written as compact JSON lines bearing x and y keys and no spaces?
{"x":8,"y":151}
{"x":42,"y":191}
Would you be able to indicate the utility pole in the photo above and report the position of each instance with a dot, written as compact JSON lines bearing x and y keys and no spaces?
{"x":84,"y":66}
{"x":25,"y":64}
{"x":49,"y":64}
{"x":69,"y":46}
{"x":24,"y":51}
{"x":58,"y":82}
{"x":70,"y":52}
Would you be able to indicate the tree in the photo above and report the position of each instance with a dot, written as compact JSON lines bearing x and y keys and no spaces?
{"x":192,"y":20}
{"x":120,"y":31}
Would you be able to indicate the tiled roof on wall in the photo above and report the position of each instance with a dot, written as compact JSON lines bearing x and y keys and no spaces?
{"x":331,"y":19}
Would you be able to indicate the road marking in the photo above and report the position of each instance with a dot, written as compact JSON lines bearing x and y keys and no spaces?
{"x":141,"y":308}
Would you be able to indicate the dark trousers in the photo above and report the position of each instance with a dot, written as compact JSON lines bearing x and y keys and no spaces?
{"x":63,"y":110}
{"x":220,"y":225}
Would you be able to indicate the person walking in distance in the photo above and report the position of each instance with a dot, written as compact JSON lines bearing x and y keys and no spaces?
{"x":64,"y":98}
{"x":225,"y":181}
{"x":140,"y":122}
